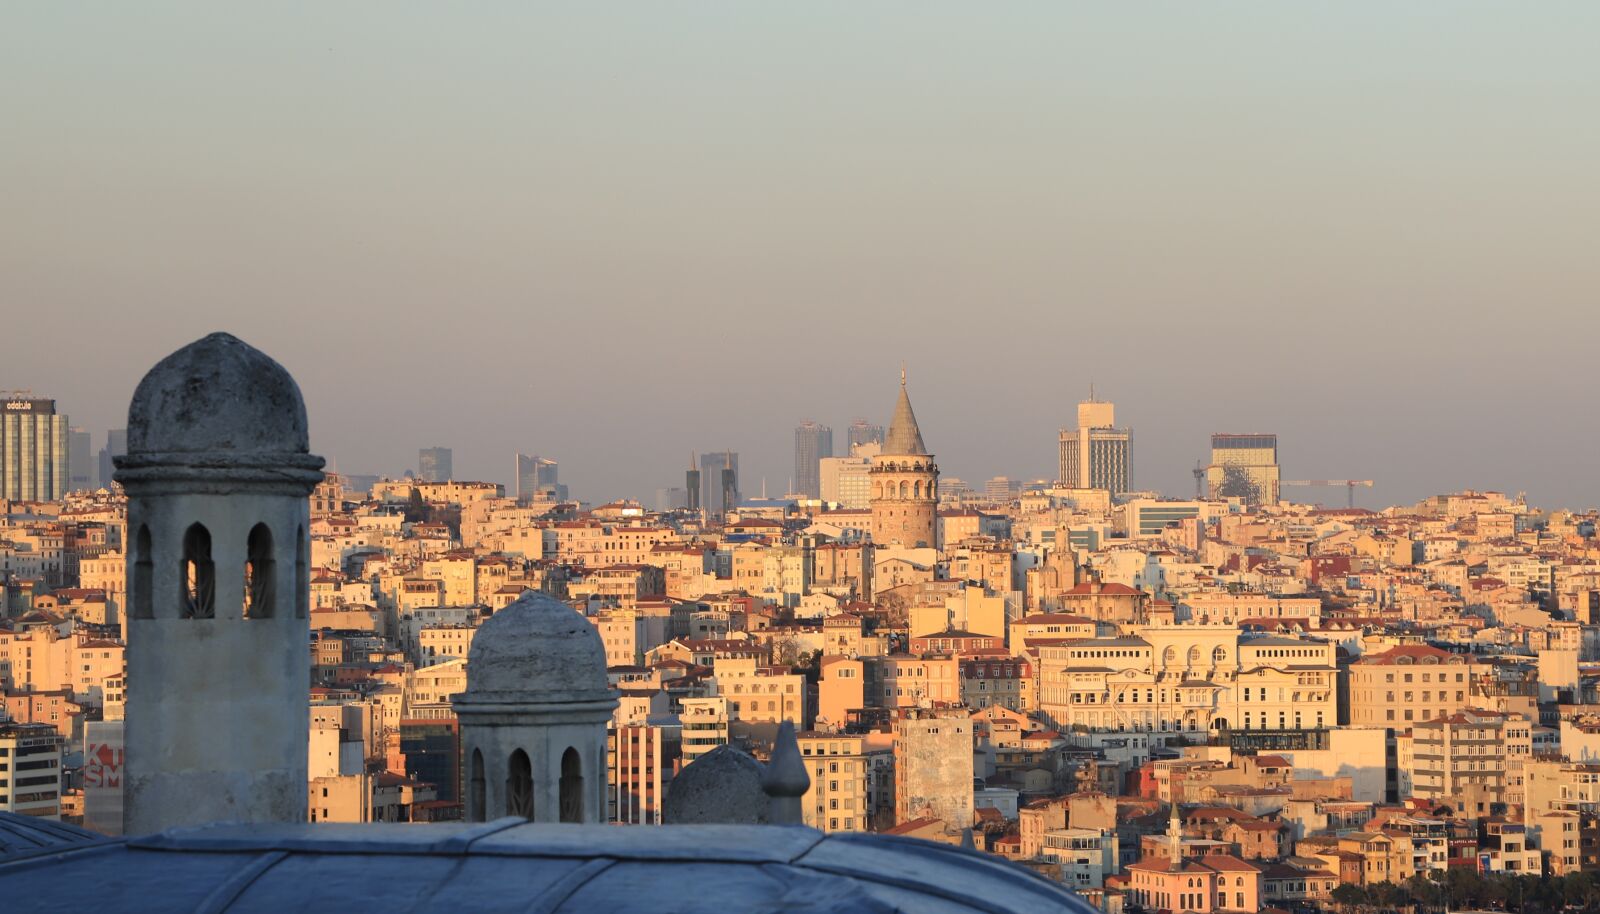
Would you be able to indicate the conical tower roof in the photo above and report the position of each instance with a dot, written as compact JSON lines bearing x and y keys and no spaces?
{"x":904,"y":437}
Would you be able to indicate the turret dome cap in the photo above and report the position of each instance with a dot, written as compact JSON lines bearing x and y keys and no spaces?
{"x":537,"y":650}
{"x":217,"y":395}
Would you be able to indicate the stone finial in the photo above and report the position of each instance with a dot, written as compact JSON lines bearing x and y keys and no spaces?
{"x":785,"y":780}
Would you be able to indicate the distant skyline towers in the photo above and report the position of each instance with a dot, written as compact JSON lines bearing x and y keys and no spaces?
{"x":34,"y":448}
{"x":691,"y":486}
{"x":539,"y":476}
{"x":80,"y":459}
{"x":116,"y":446}
{"x":863,"y":432}
{"x":1245,"y":467}
{"x":1096,"y":454}
{"x":719,"y":481}
{"x":812,"y":442}
{"x":434,"y":464}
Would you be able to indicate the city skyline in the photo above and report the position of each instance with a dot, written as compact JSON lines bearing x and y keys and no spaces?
{"x":776,"y":466}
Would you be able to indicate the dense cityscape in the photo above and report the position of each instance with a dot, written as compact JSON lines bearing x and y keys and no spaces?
{"x":1231,"y":700}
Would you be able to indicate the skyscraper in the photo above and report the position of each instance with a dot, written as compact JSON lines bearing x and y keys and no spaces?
{"x":719,"y":481}
{"x":116,"y":446}
{"x":33,"y":449}
{"x":1095,"y":455}
{"x":812,"y":442}
{"x":80,"y":459}
{"x":691,"y":486}
{"x":1244,"y":467}
{"x":864,"y":432}
{"x":433,"y":464}
{"x":536,"y":475}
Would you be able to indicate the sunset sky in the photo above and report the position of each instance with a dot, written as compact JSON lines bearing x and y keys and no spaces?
{"x":612,"y":234}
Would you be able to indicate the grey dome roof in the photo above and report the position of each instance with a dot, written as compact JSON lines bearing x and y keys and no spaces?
{"x":512,"y":865}
{"x":722,"y":786}
{"x":21,"y":834}
{"x":217,"y":394}
{"x":537,"y":650}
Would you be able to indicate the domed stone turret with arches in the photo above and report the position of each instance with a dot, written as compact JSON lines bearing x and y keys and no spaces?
{"x":217,"y":473}
{"x":534,"y":715}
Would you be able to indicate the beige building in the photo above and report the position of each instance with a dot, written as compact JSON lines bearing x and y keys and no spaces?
{"x":837,"y":798}
{"x":933,"y":768}
{"x":1467,"y":760}
{"x":1187,"y":678}
{"x":705,"y":725}
{"x":847,"y":481}
{"x":1409,"y":684}
{"x":758,"y":693}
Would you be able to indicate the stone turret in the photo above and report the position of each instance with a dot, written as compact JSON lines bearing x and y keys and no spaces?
{"x":534,"y":715}
{"x":218,"y":472}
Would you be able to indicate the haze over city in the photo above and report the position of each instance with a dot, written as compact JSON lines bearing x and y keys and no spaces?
{"x":614,"y":238}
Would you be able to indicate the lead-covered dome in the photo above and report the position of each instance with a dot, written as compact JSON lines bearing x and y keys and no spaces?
{"x":537,"y":650}
{"x":217,"y":395}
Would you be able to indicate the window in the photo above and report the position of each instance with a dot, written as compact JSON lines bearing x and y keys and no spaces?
{"x":199,"y":574}
{"x":260,"y":573}
{"x":519,"y":786}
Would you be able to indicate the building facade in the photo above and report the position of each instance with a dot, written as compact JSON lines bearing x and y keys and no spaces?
{"x":812,"y":443}
{"x":435,"y":464}
{"x":1096,"y":454}
{"x":35,"y":459}
{"x":1244,"y":467}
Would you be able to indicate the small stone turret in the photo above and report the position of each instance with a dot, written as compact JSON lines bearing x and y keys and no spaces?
{"x":217,"y":473}
{"x":534,"y":715}
{"x":726,"y":786}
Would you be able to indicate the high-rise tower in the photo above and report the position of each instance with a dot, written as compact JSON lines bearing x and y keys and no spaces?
{"x":864,"y":432}
{"x":812,"y":442}
{"x":1095,"y":455}
{"x":905,"y":483}
{"x":218,"y":477}
{"x":691,"y":485}
{"x":435,"y":464}
{"x":33,"y":449}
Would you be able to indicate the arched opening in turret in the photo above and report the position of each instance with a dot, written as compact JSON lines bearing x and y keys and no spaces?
{"x":302,"y":575}
{"x":260,"y":574}
{"x":143,"y":576}
{"x":476,"y":788}
{"x":904,"y":488}
{"x":571,"y":786}
{"x":199,"y":574}
{"x":519,"y":786}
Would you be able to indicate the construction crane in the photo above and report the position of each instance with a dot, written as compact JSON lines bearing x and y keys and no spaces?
{"x":1349,"y":485}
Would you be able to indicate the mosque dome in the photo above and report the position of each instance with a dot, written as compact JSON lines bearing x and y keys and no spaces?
{"x":513,"y":865}
{"x":217,"y":395}
{"x":722,"y":786}
{"x":538,"y":650}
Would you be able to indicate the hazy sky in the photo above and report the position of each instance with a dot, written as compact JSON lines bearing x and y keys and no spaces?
{"x":613,"y":233}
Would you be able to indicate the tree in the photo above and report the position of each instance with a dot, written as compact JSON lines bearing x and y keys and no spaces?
{"x":1348,"y":895}
{"x":416,"y":508}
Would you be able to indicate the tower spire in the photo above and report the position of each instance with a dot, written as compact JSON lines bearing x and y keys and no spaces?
{"x":904,"y":437}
